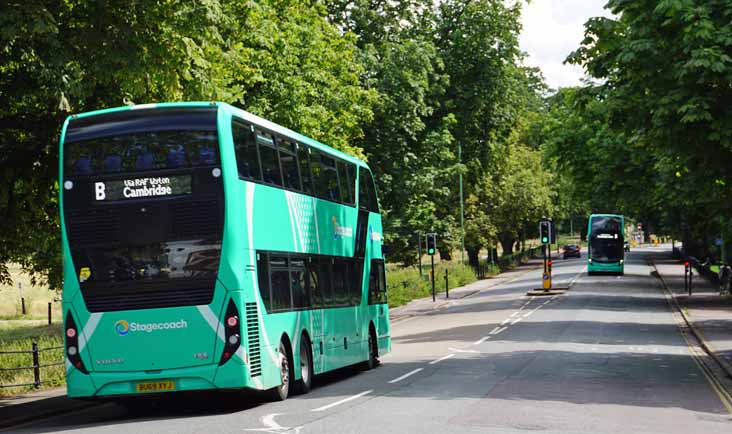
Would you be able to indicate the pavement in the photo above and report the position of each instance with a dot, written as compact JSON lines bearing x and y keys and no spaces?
{"x":426,"y":305}
{"x":709,"y":315}
{"x":608,"y":356}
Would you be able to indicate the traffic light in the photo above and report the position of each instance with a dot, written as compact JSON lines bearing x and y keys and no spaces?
{"x":545,"y":231}
{"x":431,"y":243}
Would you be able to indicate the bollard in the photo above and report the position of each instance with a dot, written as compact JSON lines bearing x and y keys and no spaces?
{"x":22,"y":305}
{"x":447,"y":286}
{"x":686,"y":276}
{"x":49,"y":313}
{"x":36,"y":367}
{"x":691,"y":279}
{"x":432,"y":277}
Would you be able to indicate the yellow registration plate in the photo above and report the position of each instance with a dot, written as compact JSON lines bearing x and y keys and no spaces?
{"x":155,"y":386}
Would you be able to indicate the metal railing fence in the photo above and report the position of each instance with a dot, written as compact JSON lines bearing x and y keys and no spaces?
{"x":36,"y":366}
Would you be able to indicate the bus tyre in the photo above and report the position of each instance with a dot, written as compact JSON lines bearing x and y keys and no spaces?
{"x":306,"y":366}
{"x":373,"y":360}
{"x":281,"y":392}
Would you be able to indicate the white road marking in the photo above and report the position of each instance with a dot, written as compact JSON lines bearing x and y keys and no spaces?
{"x":273,"y":427}
{"x":442,"y":358}
{"x":514,"y":314}
{"x":407,"y":375}
{"x":505,"y":321}
{"x":494,"y":331}
{"x":516,"y":320}
{"x":342,"y":401}
{"x":498,"y":330}
{"x":458,"y":350}
{"x":481,"y":340}
{"x":529,"y":314}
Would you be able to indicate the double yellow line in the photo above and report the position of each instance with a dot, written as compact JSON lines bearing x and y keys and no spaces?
{"x":718,"y":388}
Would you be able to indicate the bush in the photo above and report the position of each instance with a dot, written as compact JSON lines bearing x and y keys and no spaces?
{"x":405,"y":284}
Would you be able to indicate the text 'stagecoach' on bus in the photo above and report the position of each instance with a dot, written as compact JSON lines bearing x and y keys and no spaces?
{"x":207,"y":248}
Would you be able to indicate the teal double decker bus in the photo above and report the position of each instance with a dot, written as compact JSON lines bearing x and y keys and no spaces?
{"x":207,"y":248}
{"x":605,"y":244}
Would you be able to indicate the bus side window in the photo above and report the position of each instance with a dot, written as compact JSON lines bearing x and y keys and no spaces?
{"x":288,"y":159}
{"x":299,"y":283}
{"x":316,"y":168}
{"x":280,"y":280}
{"x":270,"y":161}
{"x":356,"y":281}
{"x":351,"y":173}
{"x":245,"y":147}
{"x":263,"y":278}
{"x":302,"y":156}
{"x":329,"y":179}
{"x":341,"y":282}
{"x":312,"y":283}
{"x":344,"y":183}
{"x":377,"y":282}
{"x":366,"y":192}
{"x":325,"y":280}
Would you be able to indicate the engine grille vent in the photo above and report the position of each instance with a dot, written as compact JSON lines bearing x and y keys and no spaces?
{"x":193,"y":219}
{"x":93,"y":227}
{"x":255,"y":357}
{"x":119,"y":300}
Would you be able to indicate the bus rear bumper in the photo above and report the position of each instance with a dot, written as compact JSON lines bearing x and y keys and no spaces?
{"x":602,"y":267}
{"x":231,"y":375}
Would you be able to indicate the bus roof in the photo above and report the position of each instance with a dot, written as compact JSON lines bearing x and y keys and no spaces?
{"x":238,"y":112}
{"x":607,"y":215}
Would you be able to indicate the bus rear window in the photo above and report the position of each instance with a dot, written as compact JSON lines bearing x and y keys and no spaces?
{"x":142,"y":151}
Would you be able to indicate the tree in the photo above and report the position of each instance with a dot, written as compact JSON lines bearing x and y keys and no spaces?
{"x":666,"y":67}
{"x":279,"y":59}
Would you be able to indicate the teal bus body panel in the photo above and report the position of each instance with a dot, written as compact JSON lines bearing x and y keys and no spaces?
{"x":604,"y":267}
{"x":613,"y":267}
{"x":187,"y":343}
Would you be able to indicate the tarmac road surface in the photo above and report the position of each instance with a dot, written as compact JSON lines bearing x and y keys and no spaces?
{"x":605,"y":357}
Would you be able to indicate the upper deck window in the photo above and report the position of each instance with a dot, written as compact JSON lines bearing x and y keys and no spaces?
{"x":366,"y":192}
{"x":271,"y":158}
{"x":139,"y":141}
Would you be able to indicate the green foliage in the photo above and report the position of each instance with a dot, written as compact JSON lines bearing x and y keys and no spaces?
{"x":665,"y":69}
{"x":406,"y":85}
{"x":278,"y":59}
{"x":19,"y":336}
{"x":404,"y":283}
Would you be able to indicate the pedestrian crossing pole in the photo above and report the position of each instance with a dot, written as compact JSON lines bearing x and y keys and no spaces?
{"x":545,"y":235}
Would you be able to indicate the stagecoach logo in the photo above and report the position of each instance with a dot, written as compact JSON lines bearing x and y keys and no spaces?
{"x":123,"y":327}
{"x":134,"y":188}
{"x":341,"y":231}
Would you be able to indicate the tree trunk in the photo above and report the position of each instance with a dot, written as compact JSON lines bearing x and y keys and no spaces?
{"x":473,"y":256}
{"x":445,"y":254}
{"x":507,"y":241}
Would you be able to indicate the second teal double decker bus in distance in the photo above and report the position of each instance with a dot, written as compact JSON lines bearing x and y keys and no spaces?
{"x":605,"y":244}
{"x":207,"y":248}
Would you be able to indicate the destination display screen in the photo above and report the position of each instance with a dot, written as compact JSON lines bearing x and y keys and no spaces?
{"x":142,"y":188}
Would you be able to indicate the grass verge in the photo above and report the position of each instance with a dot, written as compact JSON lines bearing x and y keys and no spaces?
{"x":405,"y":284}
{"x":19,"y":336}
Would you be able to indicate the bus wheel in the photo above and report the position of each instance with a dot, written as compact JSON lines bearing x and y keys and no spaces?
{"x":373,"y":360}
{"x":281,"y":392}
{"x":306,"y":366}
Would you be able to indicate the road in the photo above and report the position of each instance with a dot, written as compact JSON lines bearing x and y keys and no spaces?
{"x":605,"y":357}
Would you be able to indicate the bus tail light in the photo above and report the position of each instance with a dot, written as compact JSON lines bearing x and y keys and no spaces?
{"x":72,"y":344}
{"x":232,"y":333}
